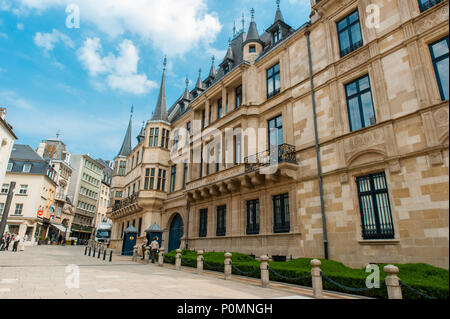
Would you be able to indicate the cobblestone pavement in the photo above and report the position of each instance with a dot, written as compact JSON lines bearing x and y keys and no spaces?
{"x":44,"y":272}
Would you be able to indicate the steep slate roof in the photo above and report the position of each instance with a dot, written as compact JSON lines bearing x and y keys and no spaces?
{"x":25,"y":152}
{"x":252,"y":34}
{"x":125,"y":150}
{"x":160,"y":113}
{"x":278,"y":14}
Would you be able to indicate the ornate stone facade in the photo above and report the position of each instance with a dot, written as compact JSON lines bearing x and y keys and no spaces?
{"x":408,"y":142}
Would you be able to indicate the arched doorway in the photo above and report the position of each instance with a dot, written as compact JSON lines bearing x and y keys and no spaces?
{"x":175,"y":233}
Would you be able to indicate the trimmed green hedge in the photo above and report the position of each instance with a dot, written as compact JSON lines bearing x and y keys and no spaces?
{"x":430,"y":280}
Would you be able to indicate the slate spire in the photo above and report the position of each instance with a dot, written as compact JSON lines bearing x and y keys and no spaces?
{"x":278,"y":15}
{"x":199,"y":85}
{"x":141,"y":135}
{"x":187,"y":94}
{"x":160,"y":113}
{"x":125,"y":150}
{"x":252,"y":34}
{"x":212,"y":71}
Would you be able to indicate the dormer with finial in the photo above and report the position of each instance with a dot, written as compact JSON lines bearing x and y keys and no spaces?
{"x":199,"y":86}
{"x":279,"y":29}
{"x":252,"y":46}
{"x":187,"y":98}
{"x":125,"y":150}
{"x":212,"y":74}
{"x":141,"y":136}
{"x":227,"y":63}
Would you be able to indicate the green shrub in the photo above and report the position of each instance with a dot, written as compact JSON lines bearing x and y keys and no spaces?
{"x":430,"y":280}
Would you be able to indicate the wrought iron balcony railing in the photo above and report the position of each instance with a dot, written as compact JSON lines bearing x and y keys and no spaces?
{"x":125,"y":202}
{"x":282,"y":153}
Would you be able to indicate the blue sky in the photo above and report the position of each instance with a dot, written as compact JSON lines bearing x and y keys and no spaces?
{"x":83,"y":81}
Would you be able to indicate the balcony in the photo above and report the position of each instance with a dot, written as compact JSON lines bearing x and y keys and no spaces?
{"x":125,"y":202}
{"x":284,"y":153}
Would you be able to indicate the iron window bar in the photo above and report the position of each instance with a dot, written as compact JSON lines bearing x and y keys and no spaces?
{"x":281,"y":153}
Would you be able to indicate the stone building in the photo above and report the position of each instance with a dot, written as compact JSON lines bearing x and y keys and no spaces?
{"x":32,"y":206}
{"x":56,"y":153}
{"x":104,"y":198}
{"x":84,"y":188}
{"x":329,"y":140}
{"x":7,"y":139}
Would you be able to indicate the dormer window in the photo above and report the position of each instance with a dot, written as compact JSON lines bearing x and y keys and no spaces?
{"x":276,"y":36}
{"x":226,"y":68}
{"x":26,"y":167}
{"x":182,"y":107}
{"x":252,"y":49}
{"x":10,"y":166}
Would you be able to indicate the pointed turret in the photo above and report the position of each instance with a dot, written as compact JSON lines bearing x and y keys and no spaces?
{"x":278,"y":14}
{"x":141,"y":135}
{"x":160,"y":113}
{"x":229,"y":55}
{"x":199,"y":86}
{"x":252,"y":34}
{"x":212,"y":71}
{"x":125,"y":150}
{"x":187,"y":95}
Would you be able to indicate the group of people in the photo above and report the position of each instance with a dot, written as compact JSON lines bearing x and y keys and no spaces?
{"x":7,"y":239}
{"x":154,"y":245}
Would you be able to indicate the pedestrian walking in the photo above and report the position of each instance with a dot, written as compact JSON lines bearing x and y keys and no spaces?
{"x":15,"y":242}
{"x":144,"y":244}
{"x":154,"y":246}
{"x":2,"y":243}
{"x":8,"y":240}
{"x":60,"y":239}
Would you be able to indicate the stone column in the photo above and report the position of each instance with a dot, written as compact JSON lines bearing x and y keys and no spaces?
{"x":178,"y":260}
{"x":200,"y":262}
{"x":264,"y":271}
{"x":135,"y":252}
{"x":146,"y":254}
{"x":161,"y":257}
{"x":316,"y":278}
{"x":227,"y":266}
{"x":393,"y":282}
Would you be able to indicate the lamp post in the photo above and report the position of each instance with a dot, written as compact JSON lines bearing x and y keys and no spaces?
{"x":12,"y":185}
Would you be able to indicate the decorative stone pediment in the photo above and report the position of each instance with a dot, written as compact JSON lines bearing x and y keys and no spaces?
{"x":441,"y":121}
{"x":355,"y":61}
{"x":432,"y":19}
{"x":364,"y":144}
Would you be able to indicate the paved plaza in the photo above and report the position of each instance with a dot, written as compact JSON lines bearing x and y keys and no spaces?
{"x":48,"y":272}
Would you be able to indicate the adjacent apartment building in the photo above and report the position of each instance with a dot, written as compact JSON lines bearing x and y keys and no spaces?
{"x":32,"y":207}
{"x":104,"y":199}
{"x":55,"y":152}
{"x":7,"y":139}
{"x":84,"y":188}
{"x":328,"y":140}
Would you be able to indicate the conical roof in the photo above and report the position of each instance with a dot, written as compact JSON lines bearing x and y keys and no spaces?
{"x":199,"y":84}
{"x":229,"y":55}
{"x":160,"y":113}
{"x":125,"y":150}
{"x":252,"y":34}
{"x":212,"y":71}
{"x":131,"y":230}
{"x":278,"y":14}
{"x":154,"y":229}
{"x":187,"y":93}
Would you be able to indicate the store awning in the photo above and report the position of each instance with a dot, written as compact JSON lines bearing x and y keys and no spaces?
{"x":60,"y":227}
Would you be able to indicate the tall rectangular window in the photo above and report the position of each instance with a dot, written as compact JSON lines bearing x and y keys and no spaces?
{"x":19,"y":208}
{"x":188,"y":132}
{"x":152,"y":179}
{"x":276,"y":36}
{"x":238,"y":96}
{"x":155,"y":138}
{"x":203,"y":226}
{"x":275,"y":127}
{"x":185,"y":172}
{"x":219,"y":108}
{"x":201,"y":163}
{"x":140,"y":226}
{"x":281,"y":218}
{"x":163,"y":138}
{"x":349,"y":33}
{"x":439,"y":55}
{"x":375,"y":207}
{"x":163,"y":184}
{"x":360,"y":104}
{"x":9,"y":167}
{"x":173,"y":172}
{"x":2,"y":206}
{"x":175,"y":141}
{"x":221,"y":220}
{"x":427,"y":4}
{"x":150,"y":137}
{"x":273,"y":80}
{"x":23,"y":189}
{"x":237,"y":149}
{"x":253,"y":216}
{"x":203,"y":118}
{"x":158,"y":185}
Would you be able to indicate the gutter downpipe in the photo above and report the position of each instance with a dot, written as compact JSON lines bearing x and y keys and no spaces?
{"x":319,"y":166}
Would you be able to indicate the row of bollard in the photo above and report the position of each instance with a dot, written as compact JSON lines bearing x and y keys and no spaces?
{"x":88,"y":251}
{"x":392,"y":280}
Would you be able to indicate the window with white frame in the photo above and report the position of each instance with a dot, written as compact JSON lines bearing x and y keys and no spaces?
{"x":27,"y":167}
{"x":23,"y":189}
{"x":5,"y":188}
{"x":19,"y":208}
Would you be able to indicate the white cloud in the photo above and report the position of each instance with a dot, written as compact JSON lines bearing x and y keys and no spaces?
{"x":13,"y":100}
{"x":121,"y":71}
{"x":49,"y":40}
{"x":172,"y":26}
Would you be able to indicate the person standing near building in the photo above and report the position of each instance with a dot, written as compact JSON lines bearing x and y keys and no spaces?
{"x":15,"y":242}
{"x":144,"y":244}
{"x":8,"y":240}
{"x":154,"y":246}
{"x":2,"y":243}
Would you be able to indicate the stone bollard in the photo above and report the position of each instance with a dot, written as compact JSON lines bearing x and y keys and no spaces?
{"x":316,"y":278}
{"x":264,"y":271}
{"x":135,"y":252}
{"x":393,"y":282}
{"x":200,"y":262}
{"x":146,"y":254}
{"x":161,"y":257}
{"x":178,"y":260}
{"x":227,"y":266}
